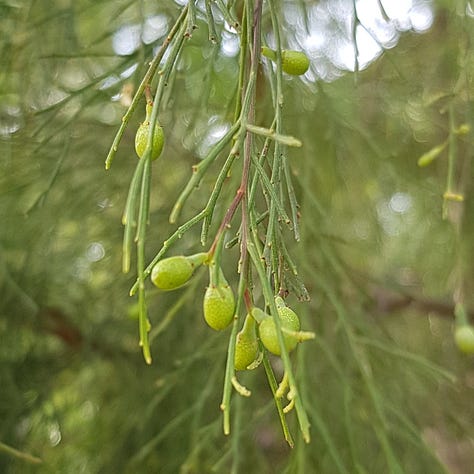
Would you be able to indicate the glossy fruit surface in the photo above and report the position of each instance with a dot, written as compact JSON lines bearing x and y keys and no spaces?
{"x":172,"y":272}
{"x":218,"y":306}
{"x":141,"y":137}
{"x":464,"y":338}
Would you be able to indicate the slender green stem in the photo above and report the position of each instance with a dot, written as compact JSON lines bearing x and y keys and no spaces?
{"x":241,"y":136}
{"x":380,"y":422}
{"x":229,"y":369}
{"x":271,"y":241}
{"x":242,"y":68}
{"x":211,"y":203}
{"x":413,"y":359}
{"x":248,"y":111}
{"x":39,"y":201}
{"x":287,"y":140}
{"x":269,"y":299}
{"x":174,"y":53}
{"x":355,"y":22}
{"x":274,"y":387}
{"x":179,"y":232}
{"x":19,"y":454}
{"x":129,"y":215}
{"x":144,"y":324}
{"x":452,"y":157}
{"x":141,"y":88}
{"x":253,"y":187}
{"x":271,"y":191}
{"x":200,"y":169}
{"x":191,"y":19}
{"x":210,"y":22}
{"x":228,"y":15}
{"x":236,"y":239}
{"x":294,"y":206}
{"x":287,"y":257}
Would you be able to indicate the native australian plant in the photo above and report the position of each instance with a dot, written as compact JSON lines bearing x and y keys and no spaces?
{"x":262,"y":215}
{"x":294,"y":181}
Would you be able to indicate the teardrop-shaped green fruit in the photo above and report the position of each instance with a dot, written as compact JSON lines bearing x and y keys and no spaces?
{"x":289,"y":318}
{"x":246,"y":345}
{"x":269,"y":337}
{"x":173,"y":272}
{"x":141,"y":137}
{"x":268,"y":333}
{"x":218,"y":306}
{"x":464,"y":338}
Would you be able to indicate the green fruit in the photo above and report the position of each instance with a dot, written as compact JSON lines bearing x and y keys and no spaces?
{"x":218,"y":306}
{"x":246,"y":351}
{"x":287,"y":316}
{"x":246,"y":345}
{"x":141,"y":137}
{"x":268,"y":333}
{"x":173,"y":272}
{"x":295,"y":63}
{"x":218,"y":301}
{"x":464,"y":338}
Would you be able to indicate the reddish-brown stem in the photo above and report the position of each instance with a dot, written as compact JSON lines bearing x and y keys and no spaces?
{"x":257,"y":15}
{"x":226,"y":221}
{"x":148,"y":96}
{"x":241,"y":195}
{"x":248,"y":300}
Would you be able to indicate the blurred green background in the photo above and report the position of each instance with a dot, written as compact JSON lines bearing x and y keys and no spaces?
{"x":385,"y":387}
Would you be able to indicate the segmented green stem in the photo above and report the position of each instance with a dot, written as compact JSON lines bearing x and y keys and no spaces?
{"x":452,"y":158}
{"x":210,"y":23}
{"x":179,"y":232}
{"x":270,"y":301}
{"x":200,"y":169}
{"x":248,"y":111}
{"x":191,"y":19}
{"x":141,"y":88}
{"x":144,"y":324}
{"x":271,"y":241}
{"x":274,"y":387}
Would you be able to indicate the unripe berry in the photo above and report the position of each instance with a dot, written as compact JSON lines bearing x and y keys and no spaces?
{"x":173,"y":272}
{"x":141,"y":137}
{"x":218,"y":306}
{"x":295,"y":63}
{"x":290,"y":325}
{"x":246,"y":346}
{"x":287,"y":316}
{"x":289,"y":321}
{"x":464,"y":338}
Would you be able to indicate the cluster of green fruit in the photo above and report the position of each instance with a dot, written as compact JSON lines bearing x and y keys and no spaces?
{"x":246,"y":347}
{"x":219,"y":308}
{"x":173,"y":272}
{"x":219,"y":301}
